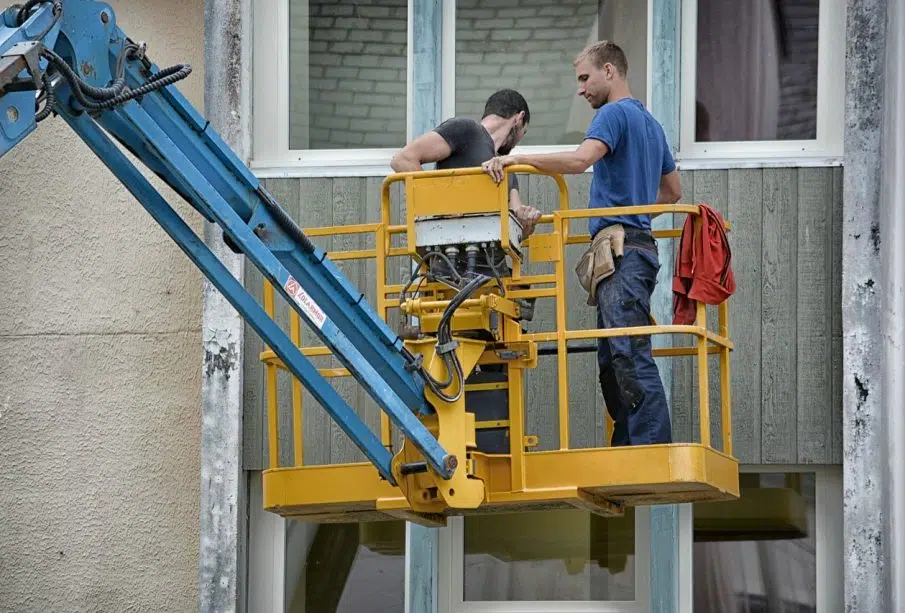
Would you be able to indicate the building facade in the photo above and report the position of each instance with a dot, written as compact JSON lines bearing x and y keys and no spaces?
{"x":134,"y":431}
{"x":758,"y":131}
{"x":100,"y":368}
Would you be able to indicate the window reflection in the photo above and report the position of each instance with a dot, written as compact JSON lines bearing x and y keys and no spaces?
{"x":531,"y":46}
{"x":757,"y":70}
{"x":559,"y":555}
{"x":758,"y":554}
{"x":345,"y":568}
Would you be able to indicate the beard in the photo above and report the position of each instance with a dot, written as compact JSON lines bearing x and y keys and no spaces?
{"x":509,"y":143}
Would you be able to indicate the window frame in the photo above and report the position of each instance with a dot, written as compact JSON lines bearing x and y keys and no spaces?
{"x":825,"y":150}
{"x":828,"y":525}
{"x":271,"y":156}
{"x":828,"y":540}
{"x":450,"y":573}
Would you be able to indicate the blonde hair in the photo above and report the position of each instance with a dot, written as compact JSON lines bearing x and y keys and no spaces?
{"x":605,"y":52}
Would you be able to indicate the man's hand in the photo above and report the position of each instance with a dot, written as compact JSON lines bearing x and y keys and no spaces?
{"x":528,"y":216}
{"x":494,"y":166}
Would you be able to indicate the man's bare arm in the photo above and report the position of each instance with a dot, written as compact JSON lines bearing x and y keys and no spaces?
{"x":670,"y":188}
{"x":569,"y":162}
{"x":427,"y":148}
{"x":527,"y":215}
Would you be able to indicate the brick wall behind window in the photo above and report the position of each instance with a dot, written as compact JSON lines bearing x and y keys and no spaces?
{"x":357,"y":73}
{"x":354,"y":93}
{"x":526,"y":45}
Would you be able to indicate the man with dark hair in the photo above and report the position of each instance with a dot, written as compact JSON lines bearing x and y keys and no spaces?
{"x":632,"y":165}
{"x":461,"y":142}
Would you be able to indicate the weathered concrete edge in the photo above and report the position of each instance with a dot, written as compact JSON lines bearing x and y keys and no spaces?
{"x":665,"y":101}
{"x":223,"y":509}
{"x":892,"y":194}
{"x":864,"y":441}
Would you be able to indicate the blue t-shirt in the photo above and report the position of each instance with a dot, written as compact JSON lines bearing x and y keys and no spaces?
{"x":629,"y":174}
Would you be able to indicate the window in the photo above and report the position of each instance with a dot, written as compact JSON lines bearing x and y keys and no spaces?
{"x":530,"y":46}
{"x":347,"y":74}
{"x":775,"y":549}
{"x":345,"y":568}
{"x":330,"y":82}
{"x":336,"y":567}
{"x":556,"y":560}
{"x":762,"y":78}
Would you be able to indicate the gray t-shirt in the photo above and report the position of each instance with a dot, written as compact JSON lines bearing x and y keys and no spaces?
{"x":471,"y":145}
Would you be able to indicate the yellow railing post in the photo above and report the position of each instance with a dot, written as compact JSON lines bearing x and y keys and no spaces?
{"x":298,"y":431}
{"x":382,"y":245}
{"x":273,"y":461}
{"x":703,"y":380}
{"x":725,"y":381}
{"x":517,"y":428}
{"x":562,"y":356}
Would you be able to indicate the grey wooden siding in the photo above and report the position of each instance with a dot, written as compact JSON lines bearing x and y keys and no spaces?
{"x":784,"y":319}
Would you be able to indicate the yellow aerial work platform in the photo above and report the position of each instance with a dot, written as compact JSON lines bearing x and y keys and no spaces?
{"x":458,"y":214}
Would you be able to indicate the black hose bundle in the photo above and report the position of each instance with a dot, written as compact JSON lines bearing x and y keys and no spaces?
{"x":446,"y":345}
{"x":90,"y":97}
{"x":117,"y":93}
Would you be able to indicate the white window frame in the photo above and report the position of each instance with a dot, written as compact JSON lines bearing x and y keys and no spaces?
{"x":825,"y":150}
{"x":271,"y":155}
{"x":828,"y":518}
{"x":450,"y":571}
{"x":449,"y":75}
{"x":828,"y":539}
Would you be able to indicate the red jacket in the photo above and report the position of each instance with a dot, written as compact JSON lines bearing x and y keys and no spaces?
{"x":703,"y":266}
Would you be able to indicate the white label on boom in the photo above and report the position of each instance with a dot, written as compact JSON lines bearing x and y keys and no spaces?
{"x":307,"y":304}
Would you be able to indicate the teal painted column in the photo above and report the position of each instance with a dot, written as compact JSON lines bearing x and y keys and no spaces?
{"x":664,"y":520}
{"x":427,"y":27}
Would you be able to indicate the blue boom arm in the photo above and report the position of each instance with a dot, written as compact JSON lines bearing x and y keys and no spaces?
{"x":69,"y":58}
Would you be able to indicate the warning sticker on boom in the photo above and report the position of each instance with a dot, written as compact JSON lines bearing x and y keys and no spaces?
{"x":307,"y":304}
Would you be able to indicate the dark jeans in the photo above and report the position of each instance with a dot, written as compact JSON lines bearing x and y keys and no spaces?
{"x":629,"y":377}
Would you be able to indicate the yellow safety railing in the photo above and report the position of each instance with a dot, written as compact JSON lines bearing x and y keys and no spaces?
{"x":544,"y":247}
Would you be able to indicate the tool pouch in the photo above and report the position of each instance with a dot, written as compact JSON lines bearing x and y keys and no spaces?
{"x":599,"y":261}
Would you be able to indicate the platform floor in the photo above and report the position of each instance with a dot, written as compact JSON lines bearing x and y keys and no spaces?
{"x":603,"y":481}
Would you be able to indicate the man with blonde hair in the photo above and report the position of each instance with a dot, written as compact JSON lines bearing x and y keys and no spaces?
{"x":632,"y":165}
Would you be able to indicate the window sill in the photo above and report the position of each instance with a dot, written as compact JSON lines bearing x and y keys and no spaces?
{"x":295,"y":170}
{"x":376,"y":164}
{"x":714,"y":163}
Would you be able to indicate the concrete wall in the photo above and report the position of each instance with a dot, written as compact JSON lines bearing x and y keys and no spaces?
{"x":100,"y":364}
{"x":785,"y":320}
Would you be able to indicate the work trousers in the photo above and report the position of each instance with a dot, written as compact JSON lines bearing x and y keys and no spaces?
{"x":629,"y":377}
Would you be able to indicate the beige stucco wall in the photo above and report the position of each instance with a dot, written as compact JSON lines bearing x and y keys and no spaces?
{"x":100,"y":362}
